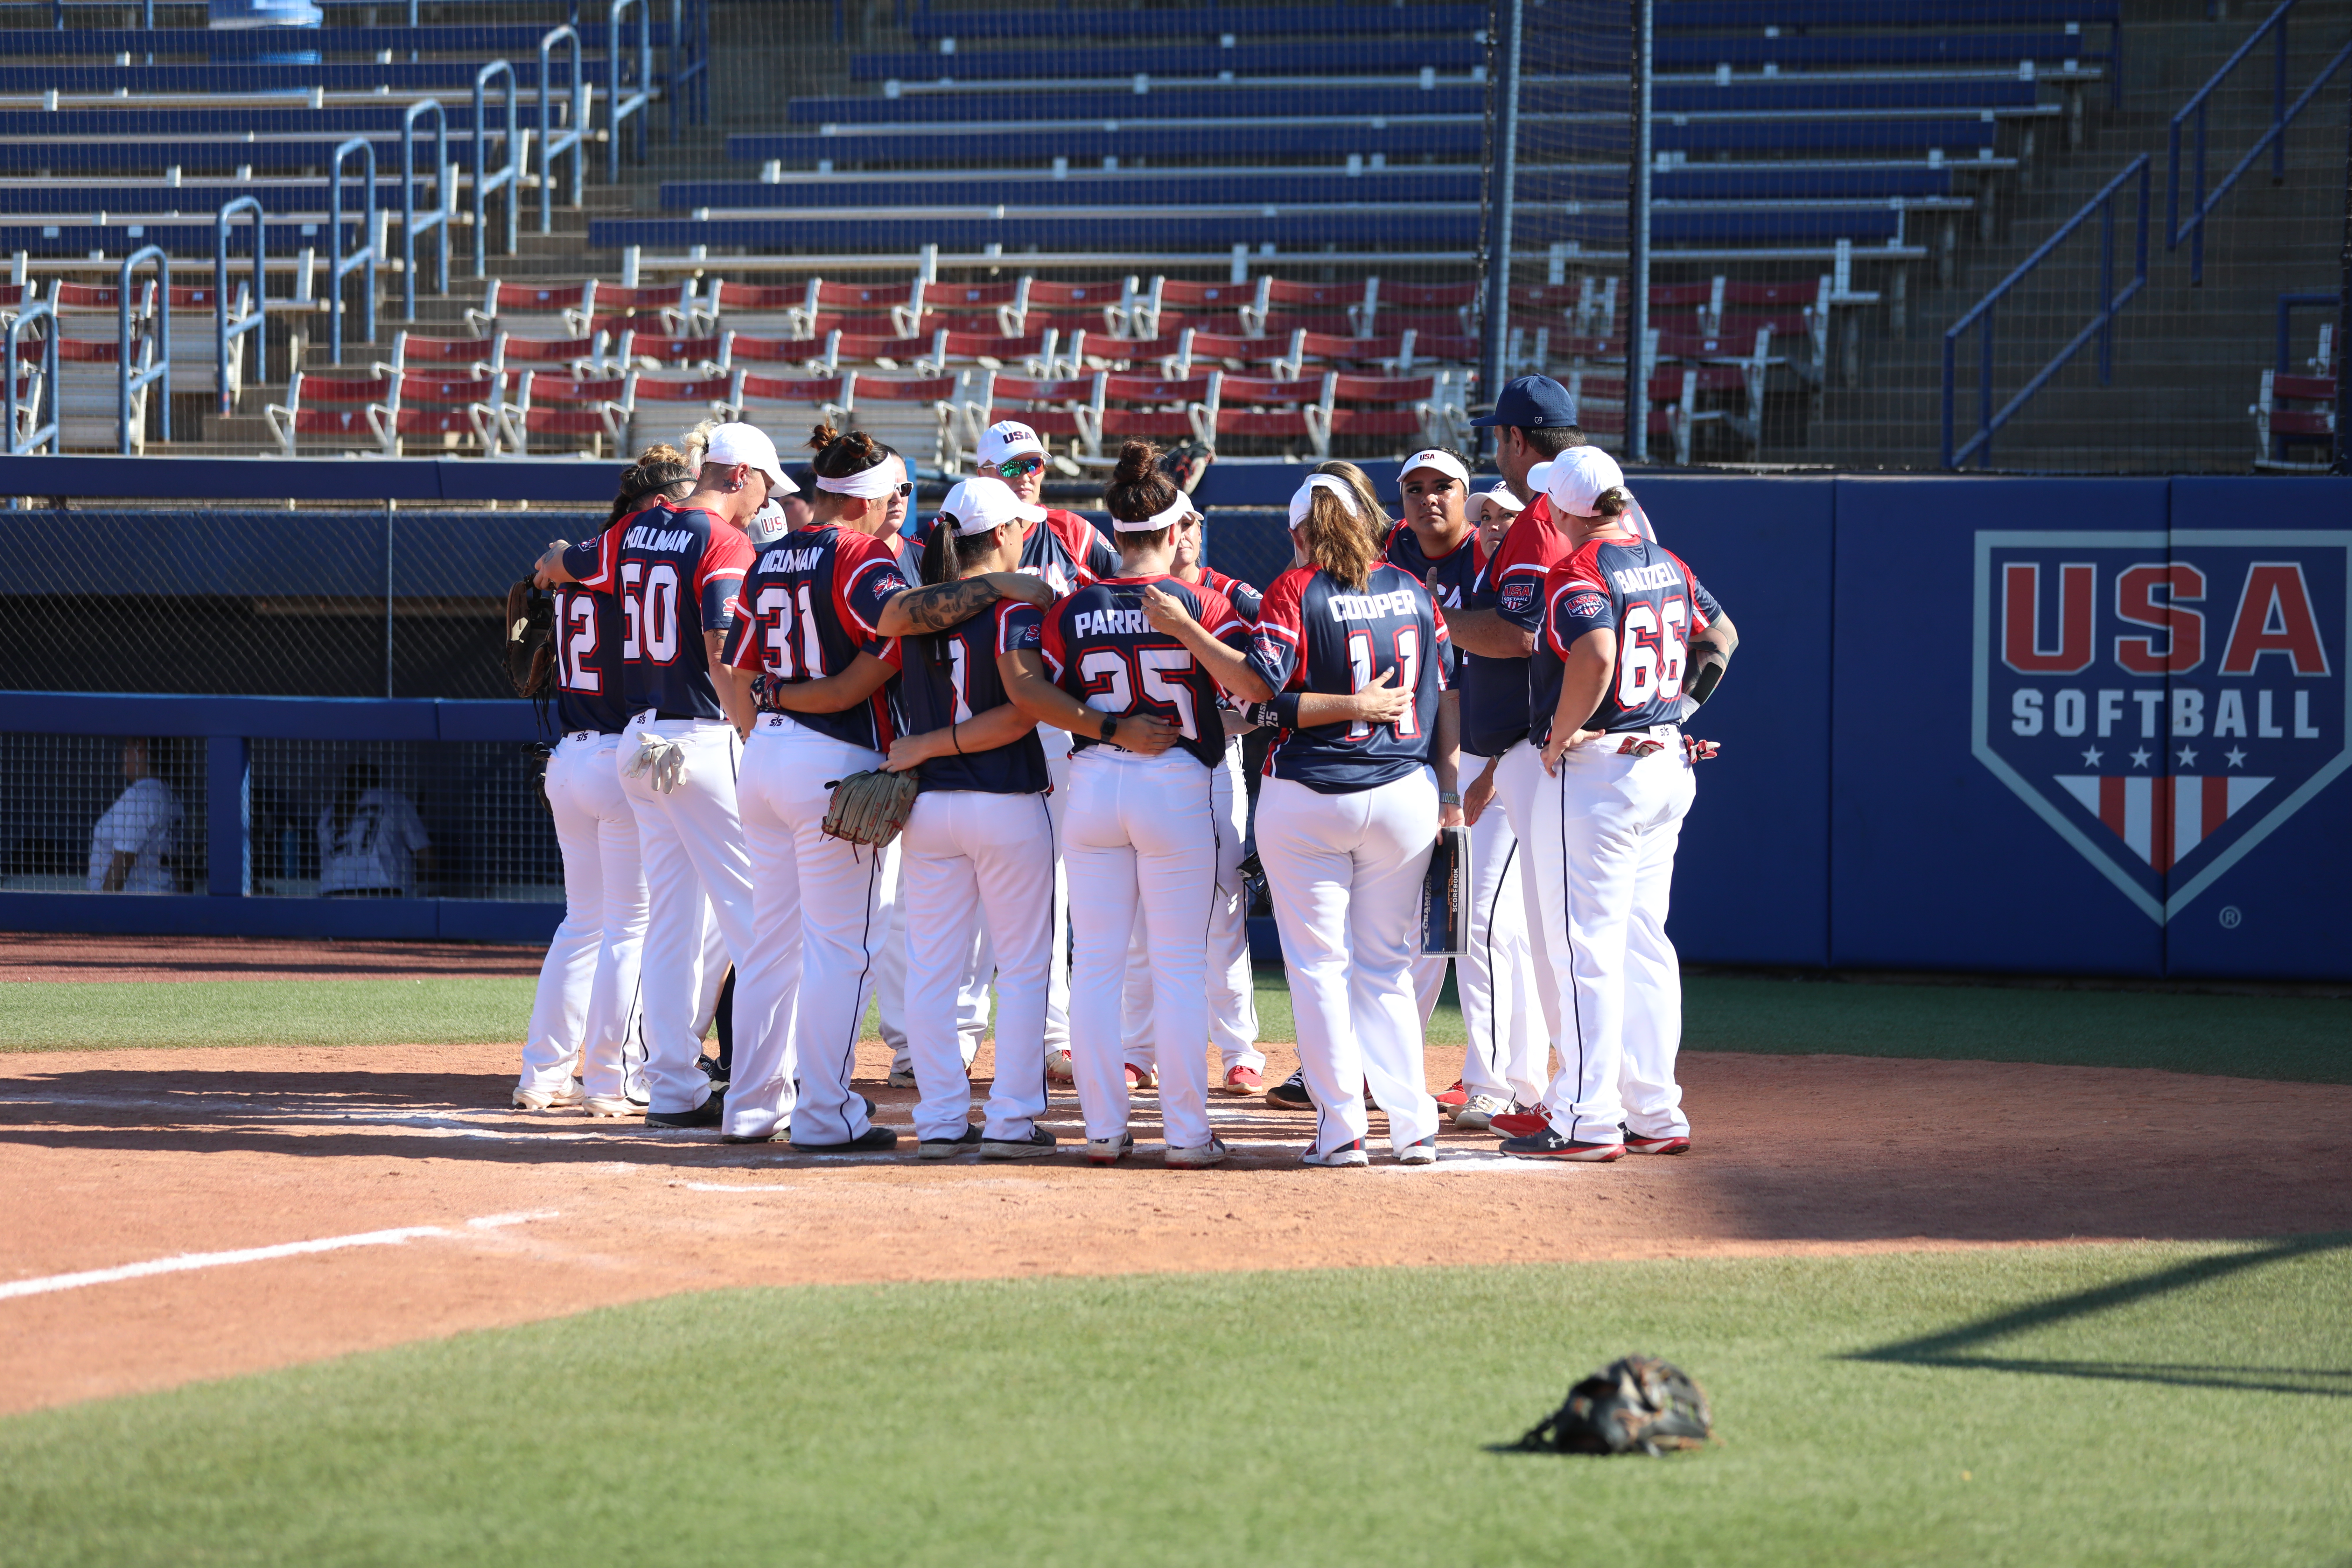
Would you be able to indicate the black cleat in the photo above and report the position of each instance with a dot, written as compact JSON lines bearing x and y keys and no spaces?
{"x":873,"y":1141}
{"x":707,"y":1114}
{"x":1291,"y":1094}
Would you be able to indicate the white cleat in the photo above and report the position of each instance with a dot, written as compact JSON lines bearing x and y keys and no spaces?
{"x":567,"y":1097}
{"x":612,"y":1107}
{"x":1200,"y":1156}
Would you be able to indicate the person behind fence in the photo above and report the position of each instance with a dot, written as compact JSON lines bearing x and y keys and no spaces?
{"x":372,"y":843}
{"x":137,"y":839}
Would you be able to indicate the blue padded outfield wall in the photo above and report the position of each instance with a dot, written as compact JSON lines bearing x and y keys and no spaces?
{"x":2065,"y":726}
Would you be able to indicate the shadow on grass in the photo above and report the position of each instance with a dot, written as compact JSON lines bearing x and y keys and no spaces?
{"x":1954,"y":1347}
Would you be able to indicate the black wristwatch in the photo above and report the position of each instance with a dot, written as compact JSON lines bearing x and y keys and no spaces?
{"x":1111,"y":726}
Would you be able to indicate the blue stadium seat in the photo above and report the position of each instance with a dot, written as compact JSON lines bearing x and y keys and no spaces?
{"x":192,"y":238}
{"x":190,"y":198}
{"x":222,"y":154}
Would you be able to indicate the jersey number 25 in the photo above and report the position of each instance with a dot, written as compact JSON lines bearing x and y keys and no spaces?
{"x":1108,"y":674}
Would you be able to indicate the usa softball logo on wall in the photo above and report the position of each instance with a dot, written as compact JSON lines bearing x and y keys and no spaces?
{"x":2164,"y":701}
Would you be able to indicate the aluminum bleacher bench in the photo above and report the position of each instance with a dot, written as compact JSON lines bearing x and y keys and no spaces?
{"x":1243,"y":21}
{"x":1305,"y":57}
{"x":482,"y":42}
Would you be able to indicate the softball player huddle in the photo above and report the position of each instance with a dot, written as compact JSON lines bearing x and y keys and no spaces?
{"x":1073,"y":711}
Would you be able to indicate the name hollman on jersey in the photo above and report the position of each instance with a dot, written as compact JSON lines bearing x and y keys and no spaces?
{"x":2162,"y":697}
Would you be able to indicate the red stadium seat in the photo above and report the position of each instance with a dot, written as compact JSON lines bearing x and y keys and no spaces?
{"x":1067,"y":406}
{"x":2280,"y":429}
{"x":1272,"y":409}
{"x":532,"y":311}
{"x":1159,"y":408}
{"x":791,"y":403}
{"x":662,"y":406}
{"x":1352,"y":303}
{"x":1175,"y":295}
{"x":547,"y":403}
{"x":915,"y":414}
{"x":795,"y":309}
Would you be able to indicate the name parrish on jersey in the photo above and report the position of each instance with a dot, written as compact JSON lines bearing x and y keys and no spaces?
{"x":811,"y":603}
{"x":674,"y":572}
{"x":951,"y":678}
{"x":1099,"y":647}
{"x":1315,"y":635}
{"x":1644,"y":594}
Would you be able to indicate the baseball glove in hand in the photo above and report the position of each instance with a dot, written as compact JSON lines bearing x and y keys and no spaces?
{"x":870,"y":808}
{"x":1640,"y":1401}
{"x":531,"y":640}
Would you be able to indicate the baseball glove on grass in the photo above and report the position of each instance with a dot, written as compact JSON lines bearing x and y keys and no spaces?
{"x":531,"y":640}
{"x":870,"y":808}
{"x":1640,"y":1403}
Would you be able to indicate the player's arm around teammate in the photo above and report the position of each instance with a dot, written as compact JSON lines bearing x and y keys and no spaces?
{"x":978,"y":842}
{"x":674,"y":570}
{"x":1620,"y":617}
{"x":588,"y":984}
{"x":1349,"y":811}
{"x":1139,"y":828}
{"x":812,"y":601}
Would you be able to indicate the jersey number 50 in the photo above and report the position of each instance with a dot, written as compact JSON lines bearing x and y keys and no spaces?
{"x":649,"y":601}
{"x":1109,"y":675}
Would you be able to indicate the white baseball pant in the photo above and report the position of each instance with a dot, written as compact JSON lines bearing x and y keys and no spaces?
{"x":1519,"y":792}
{"x":1507,"y":1056}
{"x":587,"y":996}
{"x":1232,"y":988}
{"x":1346,"y":873}
{"x":1057,"y":743}
{"x":710,"y":983}
{"x":1139,"y":834}
{"x":1604,"y":855}
{"x":692,"y":845}
{"x":890,"y":982}
{"x":968,"y":855}
{"x":821,"y":934}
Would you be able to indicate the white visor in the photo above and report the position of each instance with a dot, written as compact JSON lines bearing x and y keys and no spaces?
{"x":1304,"y":496}
{"x":1443,"y":462}
{"x":1175,"y":512}
{"x":1501,"y":495}
{"x":984,"y":503}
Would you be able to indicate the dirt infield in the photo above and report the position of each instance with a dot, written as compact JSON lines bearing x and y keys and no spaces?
{"x":51,"y":956}
{"x":120,"y":1158}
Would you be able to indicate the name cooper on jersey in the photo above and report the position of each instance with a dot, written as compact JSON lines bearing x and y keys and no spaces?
{"x":1373,"y":606}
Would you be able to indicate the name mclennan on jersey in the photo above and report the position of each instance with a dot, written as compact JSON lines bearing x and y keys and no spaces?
{"x":645,"y":536}
{"x":801,"y":560}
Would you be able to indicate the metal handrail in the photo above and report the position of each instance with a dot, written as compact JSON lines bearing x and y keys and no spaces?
{"x":617,"y":108}
{"x":410,"y":226}
{"x":2102,"y":325}
{"x":126,"y":383}
{"x":53,"y":433}
{"x":225,"y":334}
{"x":340,"y":266}
{"x":509,"y":179}
{"x":551,"y":145}
{"x":2274,"y":139}
{"x":689,"y":58}
{"x":2288,"y":305}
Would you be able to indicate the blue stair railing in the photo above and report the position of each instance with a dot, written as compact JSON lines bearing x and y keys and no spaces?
{"x":2101,"y":325}
{"x":437,"y":221}
{"x":52,"y":397}
{"x":127,"y":380}
{"x":2272,"y":141}
{"x":554,"y":143}
{"x":225,"y":331}
{"x":361,"y":260}
{"x":509,"y":179}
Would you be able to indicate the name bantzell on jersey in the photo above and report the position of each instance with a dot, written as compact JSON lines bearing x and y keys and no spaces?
{"x":588,"y":679}
{"x":1316,"y":635}
{"x":951,"y":678}
{"x":1100,"y":648}
{"x":1644,"y":594}
{"x":674,"y":573}
{"x":811,"y":603}
{"x":1495,"y":690}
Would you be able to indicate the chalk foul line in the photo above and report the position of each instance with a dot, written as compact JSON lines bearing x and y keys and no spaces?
{"x":188,"y":1261}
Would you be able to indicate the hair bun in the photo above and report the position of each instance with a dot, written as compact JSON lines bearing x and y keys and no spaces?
{"x":823,"y":436}
{"x":660,"y":453}
{"x":1138,"y":460}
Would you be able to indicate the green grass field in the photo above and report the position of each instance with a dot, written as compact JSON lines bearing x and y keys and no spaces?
{"x":2113,"y":1405}
{"x":2302,"y":1039}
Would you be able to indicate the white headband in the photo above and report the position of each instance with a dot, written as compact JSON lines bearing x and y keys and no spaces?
{"x":867,"y":484}
{"x":1443,"y":462}
{"x":1304,"y":496}
{"x":1176,"y":512}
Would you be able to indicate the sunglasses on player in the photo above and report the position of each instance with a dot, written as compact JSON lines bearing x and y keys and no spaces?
{"x":1021,"y":467}
{"x":905,"y":488}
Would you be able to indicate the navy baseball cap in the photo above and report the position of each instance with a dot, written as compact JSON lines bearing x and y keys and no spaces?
{"x":1531,"y":403}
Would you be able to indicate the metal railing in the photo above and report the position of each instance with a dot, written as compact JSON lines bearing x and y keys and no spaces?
{"x":509,"y":179}
{"x":635,"y":104}
{"x":2287,"y":306}
{"x":689,"y":60}
{"x":128,"y":381}
{"x":436,"y":222}
{"x":21,"y":442}
{"x":551,"y":144}
{"x":361,"y":260}
{"x":2274,"y":140}
{"x":2102,"y":324}
{"x":223,"y":332}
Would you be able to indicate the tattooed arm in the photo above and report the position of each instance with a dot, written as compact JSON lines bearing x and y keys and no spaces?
{"x":945,"y":605}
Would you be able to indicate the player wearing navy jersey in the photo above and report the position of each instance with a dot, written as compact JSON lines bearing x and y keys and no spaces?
{"x":586,"y":1002}
{"x":1067,"y":551}
{"x":1139,"y":828}
{"x":979,"y":846}
{"x":824,"y":600}
{"x":1232,"y":989}
{"x":1627,"y":630}
{"x":1350,"y":660}
{"x":674,"y":568}
{"x":1506,"y":1055}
